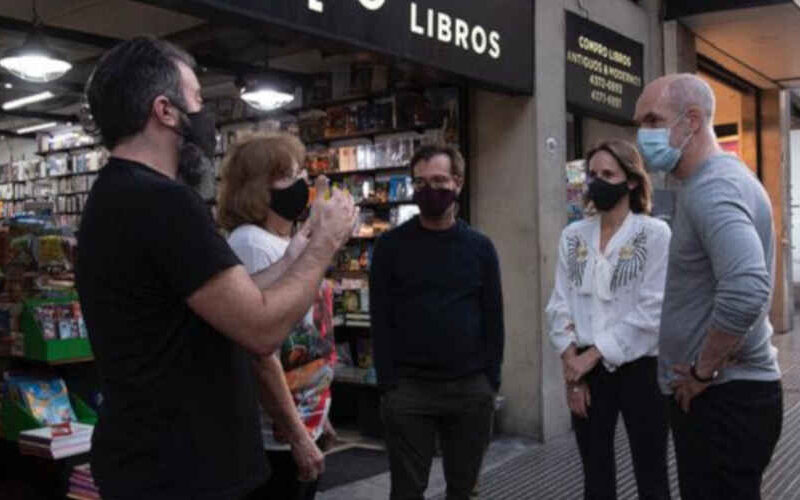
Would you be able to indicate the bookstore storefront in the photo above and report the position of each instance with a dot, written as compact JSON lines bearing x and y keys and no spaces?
{"x":370,"y":81}
{"x":417,"y":72}
{"x":475,"y":63}
{"x":365,"y":83}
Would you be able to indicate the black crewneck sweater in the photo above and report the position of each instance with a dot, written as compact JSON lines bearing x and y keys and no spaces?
{"x":436,"y":304}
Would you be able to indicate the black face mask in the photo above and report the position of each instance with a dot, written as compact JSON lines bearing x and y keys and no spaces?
{"x":290,"y":202}
{"x":606,"y":195}
{"x":199,"y":134}
{"x":434,"y":202}
{"x":200,"y":129}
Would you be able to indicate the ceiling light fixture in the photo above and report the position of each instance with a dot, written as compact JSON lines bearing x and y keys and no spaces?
{"x":8,"y":86}
{"x":34,"y":60}
{"x":24,"y":101}
{"x":266,"y":98}
{"x":36,"y":128}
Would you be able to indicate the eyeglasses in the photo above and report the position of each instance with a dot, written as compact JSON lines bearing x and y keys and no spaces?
{"x":437,"y":182}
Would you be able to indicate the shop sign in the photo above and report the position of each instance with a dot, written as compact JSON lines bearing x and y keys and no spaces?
{"x":487,"y":41}
{"x":604,"y":70}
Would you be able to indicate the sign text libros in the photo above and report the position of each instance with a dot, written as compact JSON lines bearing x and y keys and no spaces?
{"x":439,"y":26}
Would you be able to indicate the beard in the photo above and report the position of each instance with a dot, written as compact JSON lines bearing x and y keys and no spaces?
{"x":193,"y":165}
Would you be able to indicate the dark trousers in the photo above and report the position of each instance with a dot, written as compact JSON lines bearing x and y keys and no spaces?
{"x":459,"y":411}
{"x":726,"y":440}
{"x":283,"y":483}
{"x":632,"y":390}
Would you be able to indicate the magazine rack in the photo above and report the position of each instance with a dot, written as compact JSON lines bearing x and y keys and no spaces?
{"x":16,"y":418}
{"x":37,"y":347}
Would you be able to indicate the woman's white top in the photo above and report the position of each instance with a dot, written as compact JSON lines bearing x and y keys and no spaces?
{"x":612,"y":299}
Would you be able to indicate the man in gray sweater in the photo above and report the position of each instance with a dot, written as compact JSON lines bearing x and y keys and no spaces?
{"x":715,"y":354}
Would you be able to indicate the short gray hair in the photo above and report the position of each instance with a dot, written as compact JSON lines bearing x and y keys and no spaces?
{"x":687,"y":90}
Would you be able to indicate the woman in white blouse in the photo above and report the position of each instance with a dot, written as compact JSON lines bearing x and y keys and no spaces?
{"x":604,"y":318}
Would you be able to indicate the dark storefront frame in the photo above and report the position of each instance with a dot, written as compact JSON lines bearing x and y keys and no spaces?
{"x":676,"y":9}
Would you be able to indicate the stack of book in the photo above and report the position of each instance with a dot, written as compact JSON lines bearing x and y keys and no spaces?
{"x":81,"y":484}
{"x":47,"y":443}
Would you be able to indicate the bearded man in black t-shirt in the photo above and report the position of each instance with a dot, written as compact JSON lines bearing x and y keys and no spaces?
{"x":173,"y":317}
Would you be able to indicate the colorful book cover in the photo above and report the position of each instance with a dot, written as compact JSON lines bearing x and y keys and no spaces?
{"x":47,"y":400}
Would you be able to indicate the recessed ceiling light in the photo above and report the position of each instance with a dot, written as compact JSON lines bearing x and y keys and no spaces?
{"x":24,"y":101}
{"x":36,"y":128}
{"x":8,"y":86}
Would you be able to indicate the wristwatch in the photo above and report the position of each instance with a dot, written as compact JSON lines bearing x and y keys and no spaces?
{"x":703,"y":380}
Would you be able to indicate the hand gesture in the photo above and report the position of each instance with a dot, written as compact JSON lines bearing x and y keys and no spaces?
{"x":301,"y":238}
{"x":579,"y":399}
{"x":321,"y":186}
{"x":309,"y":459}
{"x":577,"y":366}
{"x":686,"y":388}
{"x":334,"y":218}
{"x":299,"y":241}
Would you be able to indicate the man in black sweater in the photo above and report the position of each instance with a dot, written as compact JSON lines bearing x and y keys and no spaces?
{"x":437,"y":320}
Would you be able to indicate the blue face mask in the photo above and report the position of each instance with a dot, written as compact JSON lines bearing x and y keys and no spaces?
{"x":658,"y":154}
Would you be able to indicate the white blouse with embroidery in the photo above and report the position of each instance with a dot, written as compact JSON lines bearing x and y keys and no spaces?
{"x":610,"y":300}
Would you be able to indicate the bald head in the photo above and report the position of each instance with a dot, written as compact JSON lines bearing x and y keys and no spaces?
{"x":683,"y":105}
{"x":674,"y":95}
{"x":686,"y":90}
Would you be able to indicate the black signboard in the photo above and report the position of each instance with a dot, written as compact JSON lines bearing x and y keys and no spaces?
{"x":490,"y":41}
{"x":605,"y":70}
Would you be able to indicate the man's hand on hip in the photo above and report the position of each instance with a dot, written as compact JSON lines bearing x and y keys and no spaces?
{"x":686,"y":388}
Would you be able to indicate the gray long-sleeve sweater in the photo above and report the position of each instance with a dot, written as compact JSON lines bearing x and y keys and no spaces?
{"x":721,"y":272}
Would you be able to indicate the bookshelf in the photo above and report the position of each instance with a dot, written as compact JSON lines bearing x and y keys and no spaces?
{"x":69,"y":149}
{"x":58,"y":174}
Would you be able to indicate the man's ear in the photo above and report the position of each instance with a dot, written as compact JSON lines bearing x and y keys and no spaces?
{"x":459,"y":184}
{"x":165,"y":112}
{"x":696,"y":119}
